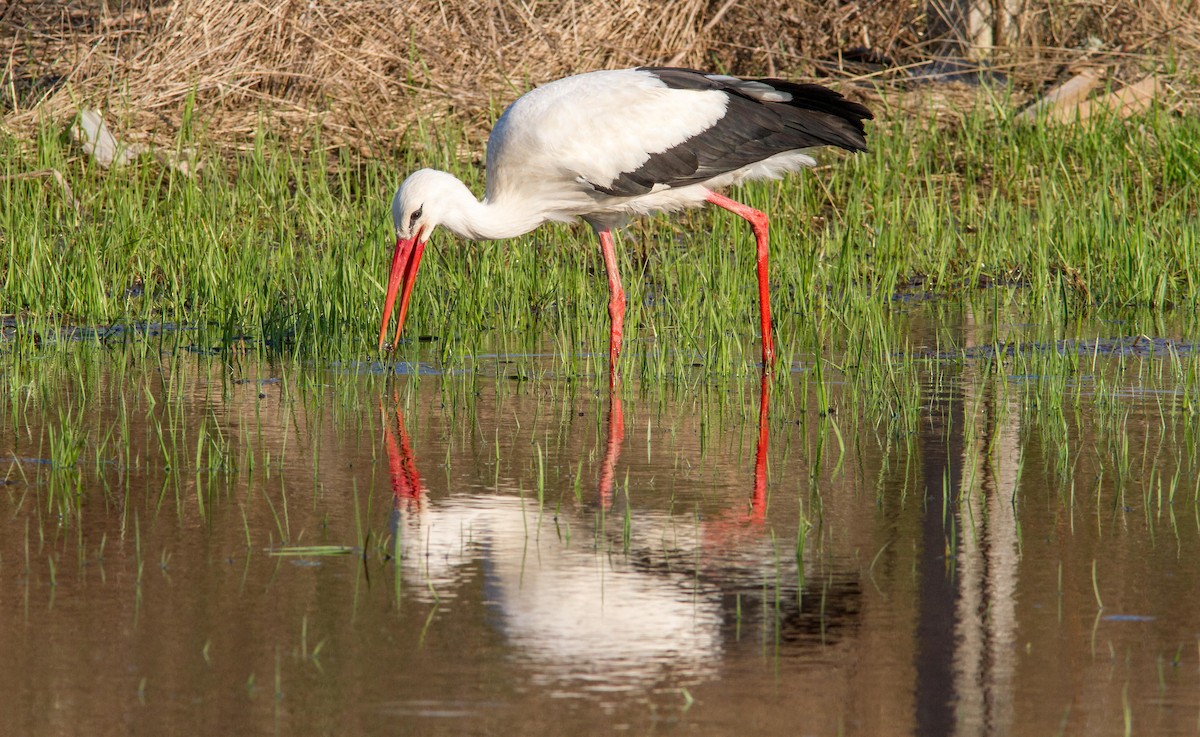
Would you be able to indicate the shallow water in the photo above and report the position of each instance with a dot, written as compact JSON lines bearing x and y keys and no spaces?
{"x":222,"y":546}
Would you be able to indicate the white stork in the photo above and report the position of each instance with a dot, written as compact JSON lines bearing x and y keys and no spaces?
{"x":606,"y":145}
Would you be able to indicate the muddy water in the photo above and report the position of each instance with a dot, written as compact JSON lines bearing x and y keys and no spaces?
{"x":242,"y":548}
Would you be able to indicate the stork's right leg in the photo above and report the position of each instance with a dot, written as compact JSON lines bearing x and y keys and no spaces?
{"x":616,"y":302}
{"x":758,"y":221}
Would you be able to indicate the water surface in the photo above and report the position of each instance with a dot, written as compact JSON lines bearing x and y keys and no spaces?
{"x":994,"y":538}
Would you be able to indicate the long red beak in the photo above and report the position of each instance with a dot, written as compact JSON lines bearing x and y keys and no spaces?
{"x":405,"y":262}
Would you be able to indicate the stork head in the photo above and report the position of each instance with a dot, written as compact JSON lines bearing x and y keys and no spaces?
{"x":415,"y":204}
{"x":415,"y":213}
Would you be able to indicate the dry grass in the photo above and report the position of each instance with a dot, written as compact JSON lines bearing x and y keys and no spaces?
{"x":362,"y":71}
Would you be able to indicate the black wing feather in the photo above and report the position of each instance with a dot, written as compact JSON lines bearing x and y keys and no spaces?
{"x":751,"y":130}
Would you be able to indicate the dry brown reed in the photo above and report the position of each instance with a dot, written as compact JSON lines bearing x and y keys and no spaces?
{"x":362,"y":71}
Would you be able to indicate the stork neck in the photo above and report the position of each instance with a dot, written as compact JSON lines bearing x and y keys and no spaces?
{"x":470,"y":218}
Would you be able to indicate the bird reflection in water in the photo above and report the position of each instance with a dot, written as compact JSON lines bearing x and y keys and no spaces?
{"x":679,"y":596}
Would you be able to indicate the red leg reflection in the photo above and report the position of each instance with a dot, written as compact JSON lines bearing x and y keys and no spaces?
{"x":406,"y":482}
{"x":758,"y":502}
{"x":612,"y":450}
{"x":741,"y":524}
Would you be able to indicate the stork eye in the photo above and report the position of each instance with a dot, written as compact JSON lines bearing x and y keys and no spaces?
{"x":412,"y":220}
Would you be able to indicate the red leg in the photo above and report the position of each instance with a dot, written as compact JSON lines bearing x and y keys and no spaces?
{"x":616,"y":303}
{"x":758,"y":221}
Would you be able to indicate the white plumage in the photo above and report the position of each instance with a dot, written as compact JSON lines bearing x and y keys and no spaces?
{"x":548,"y":151}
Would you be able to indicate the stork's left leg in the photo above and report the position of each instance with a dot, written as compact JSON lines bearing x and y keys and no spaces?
{"x":758,"y":221}
{"x":616,"y":302}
